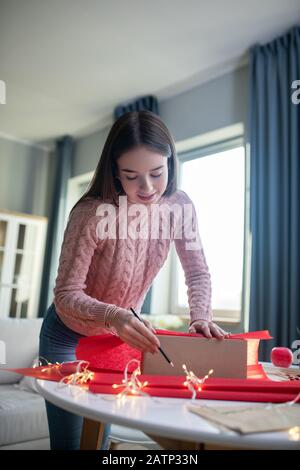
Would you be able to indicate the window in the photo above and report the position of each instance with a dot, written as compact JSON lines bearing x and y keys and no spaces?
{"x":214,"y":178}
{"x":76,"y":188}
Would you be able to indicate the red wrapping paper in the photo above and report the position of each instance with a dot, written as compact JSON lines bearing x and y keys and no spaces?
{"x":252,"y":390}
{"x":212,"y":384}
{"x":54,"y":372}
{"x":107,"y":352}
{"x":205,"y":394}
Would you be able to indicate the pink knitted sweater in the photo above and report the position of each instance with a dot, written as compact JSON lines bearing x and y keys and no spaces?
{"x":96,"y":275}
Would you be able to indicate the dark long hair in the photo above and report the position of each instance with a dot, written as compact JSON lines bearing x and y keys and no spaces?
{"x":133,"y":129}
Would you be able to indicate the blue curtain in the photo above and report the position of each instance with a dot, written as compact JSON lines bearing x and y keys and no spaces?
{"x":274,"y":137}
{"x":63,"y":171}
{"x":146,"y":103}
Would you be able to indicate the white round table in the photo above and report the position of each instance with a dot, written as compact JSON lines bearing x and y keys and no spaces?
{"x":160,"y":418}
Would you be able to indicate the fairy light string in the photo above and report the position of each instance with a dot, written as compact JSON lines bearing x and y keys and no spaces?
{"x":194,"y":383}
{"x":82,"y":376}
{"x":131,"y":384}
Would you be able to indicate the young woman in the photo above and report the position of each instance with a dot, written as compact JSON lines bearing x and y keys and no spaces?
{"x":102,"y":273}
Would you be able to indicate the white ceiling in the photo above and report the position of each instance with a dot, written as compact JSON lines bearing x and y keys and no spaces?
{"x":68,"y":63}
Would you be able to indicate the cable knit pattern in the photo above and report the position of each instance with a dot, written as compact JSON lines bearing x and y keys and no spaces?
{"x":97,"y":276}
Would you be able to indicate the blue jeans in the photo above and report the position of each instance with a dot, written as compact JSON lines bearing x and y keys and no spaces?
{"x":58,"y":344}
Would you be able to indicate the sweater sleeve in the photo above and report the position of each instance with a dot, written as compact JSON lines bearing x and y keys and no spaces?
{"x":190,"y":251}
{"x":78,"y":247}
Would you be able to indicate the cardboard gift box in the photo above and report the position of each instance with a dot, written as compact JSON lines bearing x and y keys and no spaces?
{"x":230,"y":358}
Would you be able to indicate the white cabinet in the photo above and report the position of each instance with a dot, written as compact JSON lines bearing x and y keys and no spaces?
{"x":22,"y":246}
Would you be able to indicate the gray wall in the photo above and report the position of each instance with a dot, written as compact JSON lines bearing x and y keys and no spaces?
{"x":88,"y":151}
{"x":216,"y":104}
{"x":24,"y":178}
{"x":213,"y":105}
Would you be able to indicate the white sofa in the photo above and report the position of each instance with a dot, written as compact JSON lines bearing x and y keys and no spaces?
{"x":23,"y":421}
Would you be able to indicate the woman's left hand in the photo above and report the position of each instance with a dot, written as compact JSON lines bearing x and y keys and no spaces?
{"x":209,"y":329}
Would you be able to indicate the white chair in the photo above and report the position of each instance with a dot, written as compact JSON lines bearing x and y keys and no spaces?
{"x":130,"y":436}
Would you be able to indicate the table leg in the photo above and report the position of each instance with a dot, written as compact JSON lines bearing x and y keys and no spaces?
{"x":91,"y":435}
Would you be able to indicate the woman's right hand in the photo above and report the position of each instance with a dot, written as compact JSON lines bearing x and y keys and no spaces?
{"x":138,"y":334}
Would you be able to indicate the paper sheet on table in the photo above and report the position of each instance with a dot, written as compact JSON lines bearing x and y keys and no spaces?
{"x":251,"y":419}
